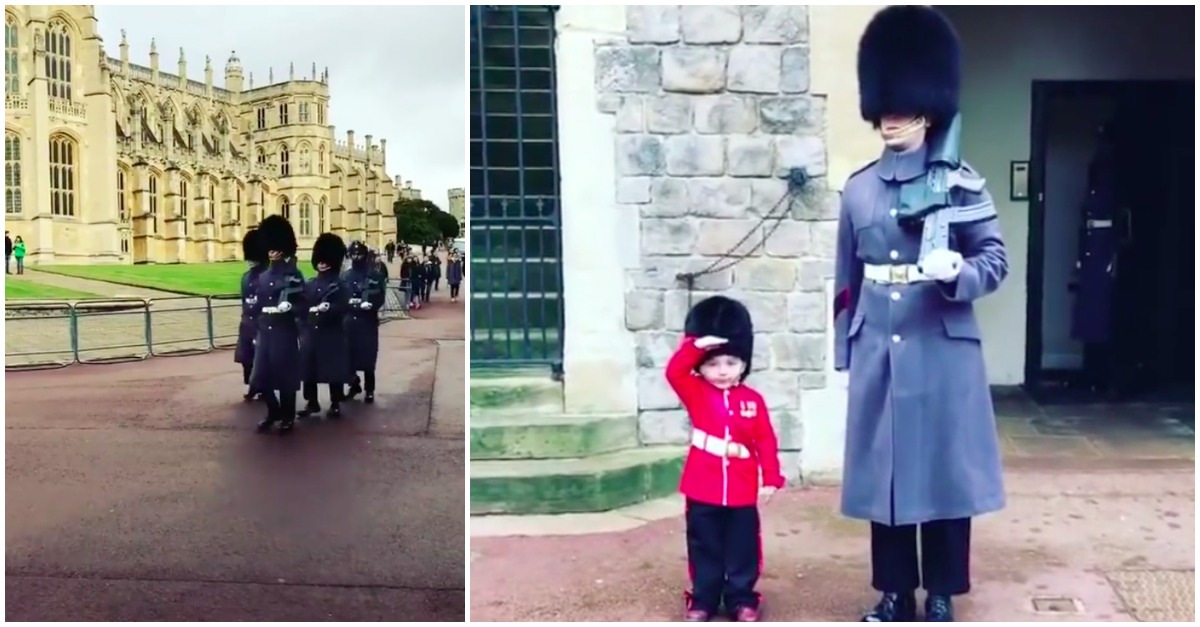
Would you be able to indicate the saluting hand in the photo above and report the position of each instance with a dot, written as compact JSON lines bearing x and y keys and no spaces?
{"x":709,"y":341}
{"x":284,"y":307}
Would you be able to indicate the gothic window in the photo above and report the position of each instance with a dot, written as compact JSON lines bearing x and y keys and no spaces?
{"x":122,"y":196}
{"x":183,"y":204}
{"x":62,"y":175}
{"x":285,"y":166}
{"x":262,"y":157}
{"x":304,"y":119}
{"x":125,"y":243}
{"x":58,"y":60}
{"x":153,"y":203}
{"x":262,"y":118}
{"x":285,"y":208}
{"x":305,"y":160}
{"x":12,"y":173}
{"x":12,"y":82}
{"x":321,"y":160}
{"x":283,"y":114}
{"x":305,"y":217}
{"x":212,"y":199}
{"x":321,"y":224}
{"x":320,"y":113}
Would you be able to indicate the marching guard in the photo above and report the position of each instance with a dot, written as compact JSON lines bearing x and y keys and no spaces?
{"x":243,"y":354}
{"x":280,"y":307}
{"x":323,"y":350}
{"x":918,"y":244}
{"x":362,"y":321}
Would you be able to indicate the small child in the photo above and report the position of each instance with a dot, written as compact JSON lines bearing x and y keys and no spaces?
{"x":732,"y":439}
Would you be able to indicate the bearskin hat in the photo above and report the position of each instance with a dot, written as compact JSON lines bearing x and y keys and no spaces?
{"x":721,"y":316}
{"x":276,"y":233}
{"x":329,"y":249}
{"x":909,"y":63}
{"x":252,"y":249}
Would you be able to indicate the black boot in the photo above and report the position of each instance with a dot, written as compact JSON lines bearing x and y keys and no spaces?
{"x":265,"y":424}
{"x":939,"y":608}
{"x":355,"y":389}
{"x":370,"y":381}
{"x":310,"y":408}
{"x":894,"y":607}
{"x":334,"y":411}
{"x":369,"y":398}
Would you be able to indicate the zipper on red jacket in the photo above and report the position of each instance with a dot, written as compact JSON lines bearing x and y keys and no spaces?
{"x":725,"y":457}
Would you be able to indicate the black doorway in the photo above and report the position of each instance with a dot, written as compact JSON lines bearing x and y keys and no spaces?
{"x":1151,"y":329}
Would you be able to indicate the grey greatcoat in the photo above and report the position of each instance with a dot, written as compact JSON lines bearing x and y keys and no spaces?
{"x":921,"y":442}
{"x":323,"y":352}
{"x":247,"y":328}
{"x":362,"y":326}
{"x":277,"y":347}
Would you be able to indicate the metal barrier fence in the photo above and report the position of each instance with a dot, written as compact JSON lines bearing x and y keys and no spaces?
{"x":55,"y":334}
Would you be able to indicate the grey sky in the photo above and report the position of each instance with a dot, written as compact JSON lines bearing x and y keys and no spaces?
{"x":396,"y":73}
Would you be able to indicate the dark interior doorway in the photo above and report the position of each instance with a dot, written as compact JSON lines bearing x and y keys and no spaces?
{"x":1111,"y":303}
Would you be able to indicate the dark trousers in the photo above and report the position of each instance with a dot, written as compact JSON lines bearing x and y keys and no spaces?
{"x":426,"y":289}
{"x":246,"y":370}
{"x":945,"y":557}
{"x":436,"y":283}
{"x":724,"y":555}
{"x":336,"y":392}
{"x":367,"y":381}
{"x":454,"y":290}
{"x":281,"y":404}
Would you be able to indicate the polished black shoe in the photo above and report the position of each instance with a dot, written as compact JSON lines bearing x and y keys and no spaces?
{"x":250,"y":396}
{"x":894,"y":607}
{"x":939,"y":608}
{"x":265,"y":424}
{"x":369,"y":398}
{"x":355,"y":390}
{"x":286,"y":426}
{"x":334,"y":412}
{"x":309,"y":410}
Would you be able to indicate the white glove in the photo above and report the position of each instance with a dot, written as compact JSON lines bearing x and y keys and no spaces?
{"x":708,"y":342}
{"x":284,"y":307}
{"x":355,"y":301}
{"x":366,"y":306}
{"x":323,"y":307}
{"x":270,"y":310}
{"x":313,"y":310}
{"x":941,"y":264}
{"x":252,"y":300}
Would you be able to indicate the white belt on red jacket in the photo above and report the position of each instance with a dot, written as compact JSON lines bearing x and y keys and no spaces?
{"x":720,"y":447}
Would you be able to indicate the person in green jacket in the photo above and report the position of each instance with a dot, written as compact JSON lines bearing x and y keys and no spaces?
{"x":19,"y":254}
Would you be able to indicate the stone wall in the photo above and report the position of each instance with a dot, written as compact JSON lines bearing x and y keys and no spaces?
{"x":713,"y":109}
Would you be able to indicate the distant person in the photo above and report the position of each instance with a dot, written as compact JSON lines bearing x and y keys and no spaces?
{"x":435,"y":267}
{"x":8,"y":248}
{"x":18,"y":252}
{"x":390,"y":249}
{"x":454,"y":275}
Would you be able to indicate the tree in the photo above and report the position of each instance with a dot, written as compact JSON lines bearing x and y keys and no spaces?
{"x":417,"y":222}
{"x":447,"y":224}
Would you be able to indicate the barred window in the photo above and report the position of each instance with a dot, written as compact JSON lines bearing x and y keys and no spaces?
{"x":12,"y":173}
{"x":320,"y":113}
{"x":304,"y":119}
{"x":58,"y":59}
{"x":283,"y":114}
{"x":62,"y":175}
{"x":262,"y":118}
{"x":305,"y":217}
{"x":285,"y":166}
{"x":12,"y":75}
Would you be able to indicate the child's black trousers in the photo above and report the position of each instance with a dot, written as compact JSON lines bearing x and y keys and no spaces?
{"x":724,"y":556}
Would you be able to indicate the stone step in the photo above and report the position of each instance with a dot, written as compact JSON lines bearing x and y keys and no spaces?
{"x":505,"y":435}
{"x":560,"y":486}
{"x":515,"y":392}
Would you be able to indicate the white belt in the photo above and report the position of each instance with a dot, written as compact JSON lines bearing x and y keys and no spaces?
{"x":899,"y":273}
{"x":1099,"y":224}
{"x":718,"y":446}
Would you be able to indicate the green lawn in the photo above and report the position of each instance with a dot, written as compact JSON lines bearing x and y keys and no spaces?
{"x":15,"y":289}
{"x":186,"y":278}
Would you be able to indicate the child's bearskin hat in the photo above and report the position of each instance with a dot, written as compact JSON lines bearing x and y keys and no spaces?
{"x":329,"y":249}
{"x":277,"y":234}
{"x":252,"y":249}
{"x":909,"y":63}
{"x":721,"y":316}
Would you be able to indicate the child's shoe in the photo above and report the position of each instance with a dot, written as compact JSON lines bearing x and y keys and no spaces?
{"x":697,"y":616}
{"x":747,"y":614}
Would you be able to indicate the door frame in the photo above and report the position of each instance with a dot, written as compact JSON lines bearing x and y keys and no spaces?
{"x":1041,"y":383}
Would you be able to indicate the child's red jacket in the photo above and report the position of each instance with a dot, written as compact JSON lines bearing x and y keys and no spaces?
{"x":716,"y":472}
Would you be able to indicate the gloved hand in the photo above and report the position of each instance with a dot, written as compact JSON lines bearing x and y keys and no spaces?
{"x":355,"y":301}
{"x":365,"y":306}
{"x":941,"y":264}
{"x":709,"y":341}
{"x":252,"y":300}
{"x":323,"y":307}
{"x":284,"y":307}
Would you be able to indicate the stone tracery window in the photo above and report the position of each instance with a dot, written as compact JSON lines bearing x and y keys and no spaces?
{"x":321,"y":223}
{"x":321,"y":159}
{"x":12,"y":173}
{"x":183,"y":203}
{"x":285,"y":166}
{"x":283,"y":114}
{"x":63,"y":166}
{"x":12,"y":69}
{"x":212,"y":200}
{"x":262,"y":156}
{"x":305,"y":217}
{"x":304,"y":115}
{"x":153,"y":212}
{"x":58,"y":59}
{"x":285,"y":208}
{"x":122,"y":196}
{"x":305,"y":159}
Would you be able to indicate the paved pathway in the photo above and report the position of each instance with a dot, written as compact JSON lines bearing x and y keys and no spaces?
{"x":1100,"y":523}
{"x":140,"y":492}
